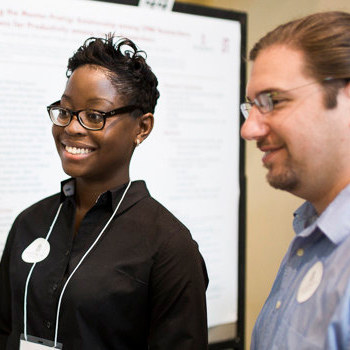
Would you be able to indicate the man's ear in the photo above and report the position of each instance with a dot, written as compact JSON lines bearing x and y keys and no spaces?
{"x":347,"y":89}
{"x":145,"y":126}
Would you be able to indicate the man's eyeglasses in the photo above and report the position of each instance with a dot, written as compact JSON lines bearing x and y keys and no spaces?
{"x":265,"y":102}
{"x":88,"y":118}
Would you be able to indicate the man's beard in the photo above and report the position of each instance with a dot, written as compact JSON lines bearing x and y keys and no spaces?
{"x":286,"y":179}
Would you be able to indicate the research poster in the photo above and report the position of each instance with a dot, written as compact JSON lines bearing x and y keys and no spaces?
{"x":191,"y":160}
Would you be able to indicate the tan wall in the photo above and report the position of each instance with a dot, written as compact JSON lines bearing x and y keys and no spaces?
{"x":269,"y":212}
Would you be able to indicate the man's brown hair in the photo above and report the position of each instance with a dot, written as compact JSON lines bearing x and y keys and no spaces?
{"x":324,"y":40}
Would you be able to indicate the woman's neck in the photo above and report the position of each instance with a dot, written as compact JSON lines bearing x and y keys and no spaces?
{"x":87,"y":192}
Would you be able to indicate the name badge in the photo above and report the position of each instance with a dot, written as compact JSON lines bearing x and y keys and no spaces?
{"x":37,"y":251}
{"x":310,"y":282}
{"x":35,"y":343}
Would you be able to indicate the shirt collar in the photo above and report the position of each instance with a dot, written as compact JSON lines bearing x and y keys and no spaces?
{"x":334,"y":221}
{"x":67,"y":188}
{"x":136,"y":192}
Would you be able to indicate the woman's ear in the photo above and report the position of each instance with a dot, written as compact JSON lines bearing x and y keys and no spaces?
{"x":145,"y":126}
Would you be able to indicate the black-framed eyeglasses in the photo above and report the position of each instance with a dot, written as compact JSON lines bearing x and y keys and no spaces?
{"x":88,"y":118}
{"x":266,"y":101}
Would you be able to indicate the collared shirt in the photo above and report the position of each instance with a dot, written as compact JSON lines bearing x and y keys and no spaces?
{"x":309,"y":305}
{"x":141,"y":287}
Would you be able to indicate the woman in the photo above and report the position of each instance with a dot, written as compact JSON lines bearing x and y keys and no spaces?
{"x":102,"y":265}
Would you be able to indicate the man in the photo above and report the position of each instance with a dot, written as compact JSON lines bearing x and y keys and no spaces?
{"x":298,"y":112}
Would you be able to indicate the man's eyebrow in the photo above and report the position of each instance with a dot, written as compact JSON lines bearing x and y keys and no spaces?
{"x":267,"y":91}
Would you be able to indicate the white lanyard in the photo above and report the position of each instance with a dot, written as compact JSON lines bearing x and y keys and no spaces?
{"x":70,"y":276}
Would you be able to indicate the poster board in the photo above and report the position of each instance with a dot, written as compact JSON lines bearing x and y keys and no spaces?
{"x":192,"y":162}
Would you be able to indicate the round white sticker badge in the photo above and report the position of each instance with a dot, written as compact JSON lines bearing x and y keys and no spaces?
{"x":310,"y":282}
{"x":37,"y":251}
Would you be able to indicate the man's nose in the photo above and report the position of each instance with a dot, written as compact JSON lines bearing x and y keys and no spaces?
{"x":255,"y":126}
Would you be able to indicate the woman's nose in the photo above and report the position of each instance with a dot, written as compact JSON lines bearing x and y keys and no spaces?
{"x":74,"y":127}
{"x":255,"y":126}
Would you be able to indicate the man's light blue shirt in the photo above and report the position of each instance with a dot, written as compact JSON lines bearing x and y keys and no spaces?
{"x":322,"y":321}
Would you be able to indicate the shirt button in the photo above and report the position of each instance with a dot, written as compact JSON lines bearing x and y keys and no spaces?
{"x":278,"y":304}
{"x":54,"y":287}
{"x":48,"y":324}
{"x":300,"y":252}
{"x":67,"y":253}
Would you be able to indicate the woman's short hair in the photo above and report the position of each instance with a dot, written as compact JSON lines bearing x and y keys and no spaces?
{"x":125,"y":66}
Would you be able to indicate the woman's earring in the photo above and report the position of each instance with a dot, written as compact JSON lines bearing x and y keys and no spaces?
{"x":137,"y":142}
